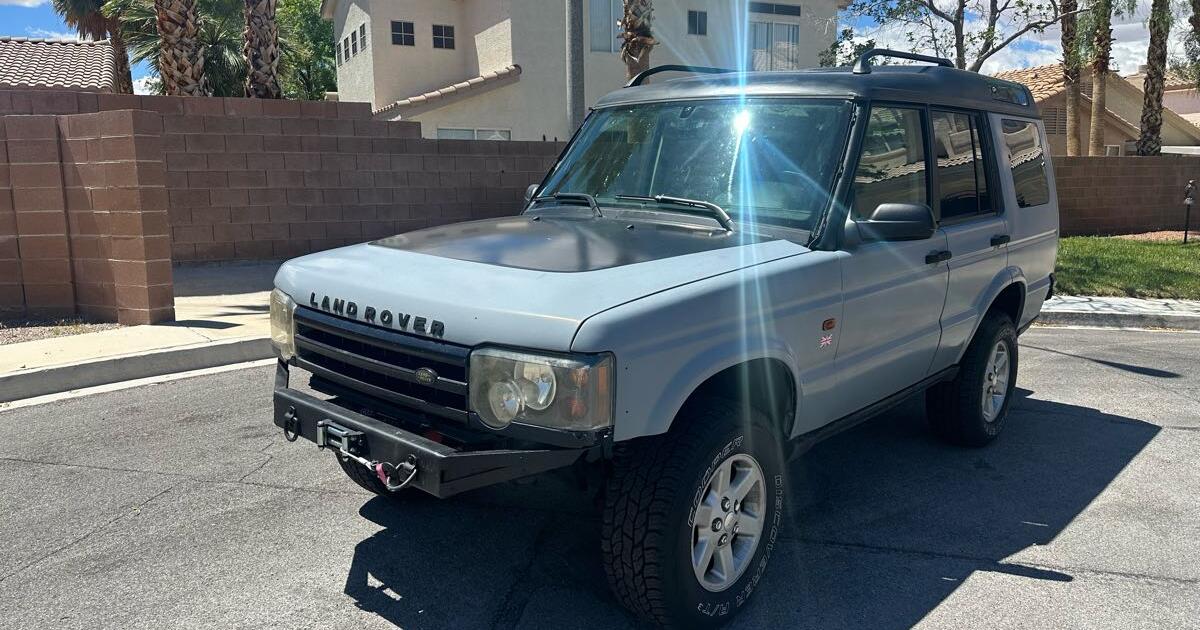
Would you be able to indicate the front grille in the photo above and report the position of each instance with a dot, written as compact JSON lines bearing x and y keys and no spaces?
{"x":383,"y":363}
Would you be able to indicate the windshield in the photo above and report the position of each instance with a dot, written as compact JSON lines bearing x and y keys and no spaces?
{"x":764,"y":160}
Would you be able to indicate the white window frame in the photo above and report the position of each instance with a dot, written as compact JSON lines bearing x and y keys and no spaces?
{"x":770,"y":50}
{"x":475,"y":133}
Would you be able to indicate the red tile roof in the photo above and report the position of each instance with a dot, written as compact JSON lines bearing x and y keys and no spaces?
{"x":48,"y":63}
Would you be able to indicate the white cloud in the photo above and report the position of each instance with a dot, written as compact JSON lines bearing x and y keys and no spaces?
{"x":48,"y":34}
{"x":141,"y":85}
{"x":23,"y":3}
{"x":1131,"y":38}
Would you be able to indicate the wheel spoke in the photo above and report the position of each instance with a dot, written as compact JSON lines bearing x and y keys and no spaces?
{"x":704,"y":516}
{"x":750,"y":524}
{"x":702,"y":555}
{"x":745,"y":482}
{"x":723,"y":562}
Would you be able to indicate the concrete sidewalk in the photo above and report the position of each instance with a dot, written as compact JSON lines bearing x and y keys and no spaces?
{"x":222,"y":317}
{"x":1120,"y":312}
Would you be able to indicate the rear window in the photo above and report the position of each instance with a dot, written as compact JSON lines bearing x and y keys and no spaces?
{"x":1027,"y":158}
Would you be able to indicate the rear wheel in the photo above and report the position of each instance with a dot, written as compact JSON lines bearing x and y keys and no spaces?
{"x":971,"y":409}
{"x":691,"y":518}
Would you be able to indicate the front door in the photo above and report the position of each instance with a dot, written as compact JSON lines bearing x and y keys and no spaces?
{"x":969,"y":215}
{"x":893,"y":291}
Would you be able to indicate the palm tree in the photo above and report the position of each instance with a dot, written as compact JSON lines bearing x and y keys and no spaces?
{"x":219,"y":38}
{"x":180,"y":56}
{"x":1150,"y":140}
{"x":262,"y":50}
{"x":1071,"y":73}
{"x":636,"y":36}
{"x":1102,"y":11}
{"x":86,"y":17}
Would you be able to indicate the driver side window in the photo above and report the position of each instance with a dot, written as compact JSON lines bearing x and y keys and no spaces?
{"x":891,"y":168}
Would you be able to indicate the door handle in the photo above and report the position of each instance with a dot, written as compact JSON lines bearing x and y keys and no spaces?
{"x":1000,"y":239}
{"x":937,"y":257}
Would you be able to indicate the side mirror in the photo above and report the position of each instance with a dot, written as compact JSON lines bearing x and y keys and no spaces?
{"x":899,"y":222}
{"x":530,"y":192}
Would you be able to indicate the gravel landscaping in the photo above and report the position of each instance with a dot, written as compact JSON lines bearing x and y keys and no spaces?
{"x":32,"y":330}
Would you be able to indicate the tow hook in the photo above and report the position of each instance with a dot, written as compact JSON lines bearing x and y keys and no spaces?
{"x":291,"y":425}
{"x":388,"y":472}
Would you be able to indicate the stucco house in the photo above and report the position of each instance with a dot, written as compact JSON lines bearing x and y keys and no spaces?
{"x":1123,"y":112}
{"x":1179,"y":94}
{"x":29,"y":63}
{"x":496,"y":69}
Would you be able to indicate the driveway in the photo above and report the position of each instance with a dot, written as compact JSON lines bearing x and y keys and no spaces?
{"x":179,"y":505}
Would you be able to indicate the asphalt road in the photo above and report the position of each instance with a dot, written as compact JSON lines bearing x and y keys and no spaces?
{"x":179,"y":505}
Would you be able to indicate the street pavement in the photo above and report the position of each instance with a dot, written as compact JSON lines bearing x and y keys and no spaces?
{"x":179,"y":505}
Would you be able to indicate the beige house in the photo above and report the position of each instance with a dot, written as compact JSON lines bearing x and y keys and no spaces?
{"x":1179,"y":94}
{"x":1123,"y":105}
{"x":497,"y":68}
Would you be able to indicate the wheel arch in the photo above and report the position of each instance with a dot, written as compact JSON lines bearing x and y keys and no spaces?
{"x":767,"y":384}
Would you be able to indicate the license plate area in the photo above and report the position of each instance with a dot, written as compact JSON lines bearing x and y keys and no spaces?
{"x":337,"y":437}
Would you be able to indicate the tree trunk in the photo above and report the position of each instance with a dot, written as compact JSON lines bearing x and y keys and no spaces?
{"x":1150,"y":140}
{"x":960,"y":43}
{"x":120,"y":57}
{"x":262,"y":50}
{"x":180,"y":57}
{"x":636,"y":36}
{"x":1071,"y":75}
{"x":1103,"y":49}
{"x":576,"y":103}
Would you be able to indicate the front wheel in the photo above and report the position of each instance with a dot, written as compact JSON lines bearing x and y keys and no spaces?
{"x":971,"y":409}
{"x":691,"y":518}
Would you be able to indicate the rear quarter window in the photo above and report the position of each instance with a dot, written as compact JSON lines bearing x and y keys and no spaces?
{"x":1027,"y":159}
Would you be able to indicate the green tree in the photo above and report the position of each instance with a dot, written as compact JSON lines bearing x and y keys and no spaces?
{"x":89,"y":20}
{"x":306,"y":40}
{"x":845,"y":50}
{"x":218,"y":39}
{"x":261,"y":49}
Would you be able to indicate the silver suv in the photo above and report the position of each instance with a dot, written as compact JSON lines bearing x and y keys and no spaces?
{"x":720,"y":270}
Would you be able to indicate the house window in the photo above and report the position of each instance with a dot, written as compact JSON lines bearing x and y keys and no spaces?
{"x":443,"y":36}
{"x":775,"y":9}
{"x":1027,"y":159}
{"x":403,"y":34}
{"x":603,"y":16}
{"x":362,"y":36}
{"x":774,"y":46}
{"x":346,"y":49}
{"x":337,"y":52}
{"x":458,"y":133}
{"x":697,"y":22}
{"x":353,"y":43}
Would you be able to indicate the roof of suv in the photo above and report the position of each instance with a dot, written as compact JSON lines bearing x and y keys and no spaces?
{"x":933,"y":85}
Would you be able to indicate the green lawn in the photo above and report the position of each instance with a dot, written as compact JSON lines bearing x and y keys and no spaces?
{"x":1092,"y":265}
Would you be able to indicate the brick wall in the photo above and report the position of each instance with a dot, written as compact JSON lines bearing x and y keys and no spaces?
{"x":1123,"y":195}
{"x":100,"y":193}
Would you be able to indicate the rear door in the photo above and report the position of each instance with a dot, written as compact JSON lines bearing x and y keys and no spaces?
{"x":893,"y":291}
{"x":968,"y":207}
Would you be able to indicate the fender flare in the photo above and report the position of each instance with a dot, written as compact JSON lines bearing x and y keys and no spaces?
{"x":710,"y":362}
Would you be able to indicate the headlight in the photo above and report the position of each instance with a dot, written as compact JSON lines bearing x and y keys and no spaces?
{"x":572,"y":393}
{"x":283,"y":326}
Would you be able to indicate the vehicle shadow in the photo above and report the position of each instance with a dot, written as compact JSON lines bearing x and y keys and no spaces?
{"x":889,"y":524}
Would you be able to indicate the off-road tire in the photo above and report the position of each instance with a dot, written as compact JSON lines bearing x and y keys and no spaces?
{"x":360,"y":475}
{"x":954,"y":408}
{"x":646,"y":536}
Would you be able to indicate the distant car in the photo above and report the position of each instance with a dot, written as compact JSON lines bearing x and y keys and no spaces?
{"x":720,"y":270}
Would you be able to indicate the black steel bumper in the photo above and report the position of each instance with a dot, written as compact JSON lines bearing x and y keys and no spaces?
{"x":440,"y":469}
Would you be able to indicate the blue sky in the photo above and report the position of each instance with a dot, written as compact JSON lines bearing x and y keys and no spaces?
{"x":36,"y":18}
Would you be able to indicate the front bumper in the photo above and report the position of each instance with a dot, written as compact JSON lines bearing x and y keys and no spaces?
{"x":441,"y":470}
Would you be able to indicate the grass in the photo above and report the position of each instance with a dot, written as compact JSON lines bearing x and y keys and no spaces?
{"x":1093,"y":265}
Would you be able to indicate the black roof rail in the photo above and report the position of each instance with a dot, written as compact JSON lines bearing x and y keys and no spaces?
{"x":863,"y":65}
{"x":645,"y":74}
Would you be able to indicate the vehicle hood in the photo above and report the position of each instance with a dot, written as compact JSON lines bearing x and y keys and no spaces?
{"x":521,"y":281}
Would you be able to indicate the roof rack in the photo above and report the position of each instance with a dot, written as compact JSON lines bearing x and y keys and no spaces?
{"x":645,"y":74}
{"x":863,"y":65}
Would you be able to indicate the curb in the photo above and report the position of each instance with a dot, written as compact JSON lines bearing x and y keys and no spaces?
{"x":64,"y":378}
{"x":1120,"y":320}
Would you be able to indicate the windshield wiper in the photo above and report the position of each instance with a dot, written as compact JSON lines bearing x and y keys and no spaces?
{"x":570,"y":196}
{"x":718,"y":212}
